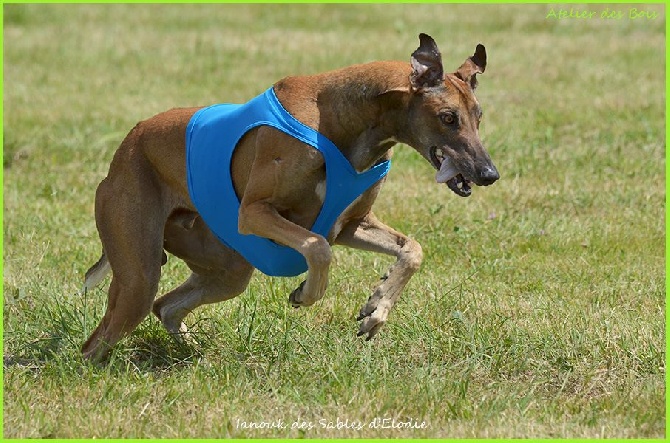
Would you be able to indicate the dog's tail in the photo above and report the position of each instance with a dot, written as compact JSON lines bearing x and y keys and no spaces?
{"x":96,"y":274}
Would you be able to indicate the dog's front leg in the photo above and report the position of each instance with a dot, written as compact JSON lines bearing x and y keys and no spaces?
{"x":370,"y":234}
{"x":262,"y":219}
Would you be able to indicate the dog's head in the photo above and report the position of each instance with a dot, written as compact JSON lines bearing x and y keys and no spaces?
{"x":444,"y":118}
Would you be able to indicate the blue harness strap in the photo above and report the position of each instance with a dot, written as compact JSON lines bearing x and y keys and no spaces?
{"x":211,"y":137}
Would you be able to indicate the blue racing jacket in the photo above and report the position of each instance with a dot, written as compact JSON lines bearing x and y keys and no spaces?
{"x":211,"y":137}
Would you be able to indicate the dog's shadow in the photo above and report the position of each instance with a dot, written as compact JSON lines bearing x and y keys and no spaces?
{"x":149,"y":350}
{"x":154,"y":351}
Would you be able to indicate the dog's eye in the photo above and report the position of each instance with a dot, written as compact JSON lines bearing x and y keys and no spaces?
{"x":449,"y":118}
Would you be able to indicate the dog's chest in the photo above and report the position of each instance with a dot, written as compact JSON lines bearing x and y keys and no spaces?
{"x":209,"y":148}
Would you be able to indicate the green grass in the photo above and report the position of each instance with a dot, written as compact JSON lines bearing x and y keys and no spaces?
{"x":539,"y":310}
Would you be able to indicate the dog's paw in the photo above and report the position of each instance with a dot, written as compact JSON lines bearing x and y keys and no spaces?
{"x":176,"y":328}
{"x":370,"y":306}
{"x":181,"y":335}
{"x":295,"y":299}
{"x":373,"y":318}
{"x":303,"y":296}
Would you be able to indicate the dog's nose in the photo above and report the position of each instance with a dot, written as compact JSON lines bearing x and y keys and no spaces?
{"x":488,"y":176}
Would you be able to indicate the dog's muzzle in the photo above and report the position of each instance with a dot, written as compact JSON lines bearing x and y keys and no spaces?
{"x":455,"y":180}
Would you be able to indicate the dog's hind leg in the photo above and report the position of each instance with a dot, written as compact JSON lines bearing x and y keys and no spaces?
{"x":129,"y":215}
{"x":219,"y":273}
{"x":372,"y":235}
{"x":202,"y":287}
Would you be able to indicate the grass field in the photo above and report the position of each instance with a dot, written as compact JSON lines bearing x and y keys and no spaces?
{"x":540,"y":307}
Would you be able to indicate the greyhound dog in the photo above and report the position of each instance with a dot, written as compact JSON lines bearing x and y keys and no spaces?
{"x":341,"y":127}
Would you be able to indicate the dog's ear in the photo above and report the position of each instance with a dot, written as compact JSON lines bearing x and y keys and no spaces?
{"x":476,"y":64}
{"x":426,"y":61}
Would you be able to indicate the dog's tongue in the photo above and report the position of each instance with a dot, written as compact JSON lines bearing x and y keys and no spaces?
{"x":447,"y":171}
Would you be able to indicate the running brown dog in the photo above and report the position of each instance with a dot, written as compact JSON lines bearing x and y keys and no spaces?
{"x":143,"y":206}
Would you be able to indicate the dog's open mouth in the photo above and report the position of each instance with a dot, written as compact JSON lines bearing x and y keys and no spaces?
{"x":447,"y":173}
{"x":460,"y":186}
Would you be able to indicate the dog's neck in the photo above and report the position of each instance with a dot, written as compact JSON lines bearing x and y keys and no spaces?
{"x":360,"y":108}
